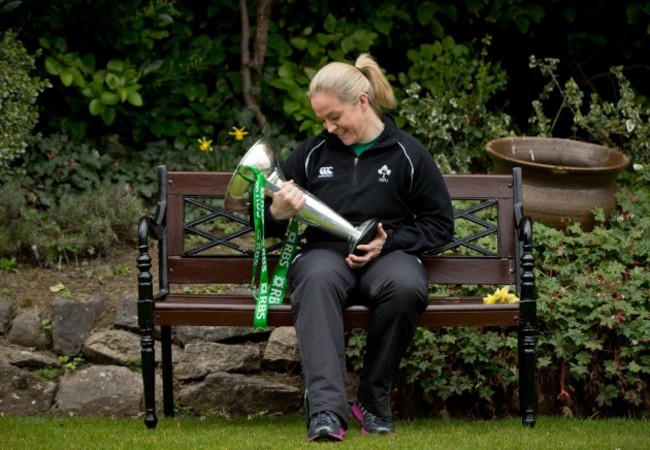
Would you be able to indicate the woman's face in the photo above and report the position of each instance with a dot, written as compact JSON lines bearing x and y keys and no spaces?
{"x":348,"y":121}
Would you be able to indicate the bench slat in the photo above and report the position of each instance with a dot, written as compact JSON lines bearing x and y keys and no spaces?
{"x":355,"y":316}
{"x":460,"y":186}
{"x":237,"y":270}
{"x":246,"y":298}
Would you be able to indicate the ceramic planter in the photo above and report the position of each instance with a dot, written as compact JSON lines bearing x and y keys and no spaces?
{"x":563,"y":179}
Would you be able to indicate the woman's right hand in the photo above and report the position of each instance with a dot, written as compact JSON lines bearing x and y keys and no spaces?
{"x":287,"y":201}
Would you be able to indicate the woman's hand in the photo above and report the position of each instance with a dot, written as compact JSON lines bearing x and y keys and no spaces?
{"x":371,"y":250}
{"x":287,"y":201}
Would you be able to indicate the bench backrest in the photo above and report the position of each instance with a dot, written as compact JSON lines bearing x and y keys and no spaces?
{"x":199,"y":235}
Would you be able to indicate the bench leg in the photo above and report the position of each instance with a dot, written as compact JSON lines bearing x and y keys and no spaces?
{"x":527,"y":325}
{"x":147,"y":353}
{"x":145,"y":322}
{"x":527,"y":397}
{"x":148,"y":379}
{"x":167,"y":371}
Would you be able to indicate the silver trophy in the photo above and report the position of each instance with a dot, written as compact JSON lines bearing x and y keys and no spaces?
{"x":262,"y":157}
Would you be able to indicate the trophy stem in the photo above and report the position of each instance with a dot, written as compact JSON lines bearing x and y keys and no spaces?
{"x":320,"y":215}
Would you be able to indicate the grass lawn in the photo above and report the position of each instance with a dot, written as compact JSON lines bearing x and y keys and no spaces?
{"x":289,"y":432}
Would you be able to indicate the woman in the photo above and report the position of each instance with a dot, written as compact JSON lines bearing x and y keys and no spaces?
{"x":363,"y":167}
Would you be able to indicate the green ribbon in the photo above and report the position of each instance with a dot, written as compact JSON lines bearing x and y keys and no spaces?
{"x":273,"y":293}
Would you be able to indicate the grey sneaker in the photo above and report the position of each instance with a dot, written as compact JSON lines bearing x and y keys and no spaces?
{"x":371,"y":423}
{"x":325,"y":426}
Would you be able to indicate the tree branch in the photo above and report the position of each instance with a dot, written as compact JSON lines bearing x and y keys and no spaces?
{"x":251,"y":67}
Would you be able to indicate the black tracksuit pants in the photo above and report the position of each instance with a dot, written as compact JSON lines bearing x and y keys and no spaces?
{"x":393,"y":286}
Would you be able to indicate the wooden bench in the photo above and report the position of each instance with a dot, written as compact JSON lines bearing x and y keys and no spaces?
{"x":199,"y":242}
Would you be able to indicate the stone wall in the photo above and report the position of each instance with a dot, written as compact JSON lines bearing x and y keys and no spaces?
{"x":68,"y":360}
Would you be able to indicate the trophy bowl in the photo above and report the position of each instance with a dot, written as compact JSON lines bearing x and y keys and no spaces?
{"x":240,"y":188}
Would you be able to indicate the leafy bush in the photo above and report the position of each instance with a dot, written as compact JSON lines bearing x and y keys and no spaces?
{"x":12,"y":203}
{"x":18,"y":93}
{"x":150,"y":70}
{"x":593,"y":288}
{"x":78,"y":225}
{"x":78,"y":202}
{"x":92,"y":222}
{"x":59,"y":166}
{"x":593,"y":329}
{"x":624,"y":124}
{"x":156,"y":70}
{"x":447,"y":103}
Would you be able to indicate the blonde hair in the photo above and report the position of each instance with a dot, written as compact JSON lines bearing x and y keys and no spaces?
{"x":347,"y":81}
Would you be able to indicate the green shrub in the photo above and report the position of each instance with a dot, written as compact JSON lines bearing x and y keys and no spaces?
{"x":78,"y":225}
{"x":624,"y":124}
{"x":18,"y":93}
{"x":593,"y":329}
{"x":91,"y":223}
{"x":447,"y":105}
{"x":12,"y":203}
{"x":113,"y":208}
{"x":593,"y":289}
{"x":58,"y":166}
{"x":49,"y":373}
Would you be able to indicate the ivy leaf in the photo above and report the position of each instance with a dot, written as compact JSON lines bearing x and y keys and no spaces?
{"x":425,"y":12}
{"x":96,"y":107}
{"x":634,"y":367}
{"x":330,"y":23}
{"x":135,"y":99}
{"x":109,"y":98}
{"x":52,"y":66}
{"x":66,"y":77}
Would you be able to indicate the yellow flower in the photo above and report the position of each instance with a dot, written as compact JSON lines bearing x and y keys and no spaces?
{"x":205,"y":145}
{"x":239,"y":133}
{"x":501,"y":296}
{"x":490,"y":299}
{"x":512,"y":298}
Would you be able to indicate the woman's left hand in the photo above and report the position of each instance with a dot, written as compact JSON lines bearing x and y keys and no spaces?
{"x":371,"y":250}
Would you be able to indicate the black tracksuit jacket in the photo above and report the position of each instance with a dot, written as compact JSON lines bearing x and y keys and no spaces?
{"x":396,"y":181}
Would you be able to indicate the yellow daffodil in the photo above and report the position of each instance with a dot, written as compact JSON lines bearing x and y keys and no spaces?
{"x":512,"y":298}
{"x":490,"y":299}
{"x":205,"y":145}
{"x":501,"y":296}
{"x":239,"y":133}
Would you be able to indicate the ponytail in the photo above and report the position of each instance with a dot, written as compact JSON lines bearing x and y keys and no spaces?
{"x":346,"y":82}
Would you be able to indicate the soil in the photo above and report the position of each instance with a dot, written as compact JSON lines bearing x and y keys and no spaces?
{"x":112,"y":276}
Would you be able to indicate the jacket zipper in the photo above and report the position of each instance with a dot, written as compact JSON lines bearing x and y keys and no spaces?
{"x":354,"y":175}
